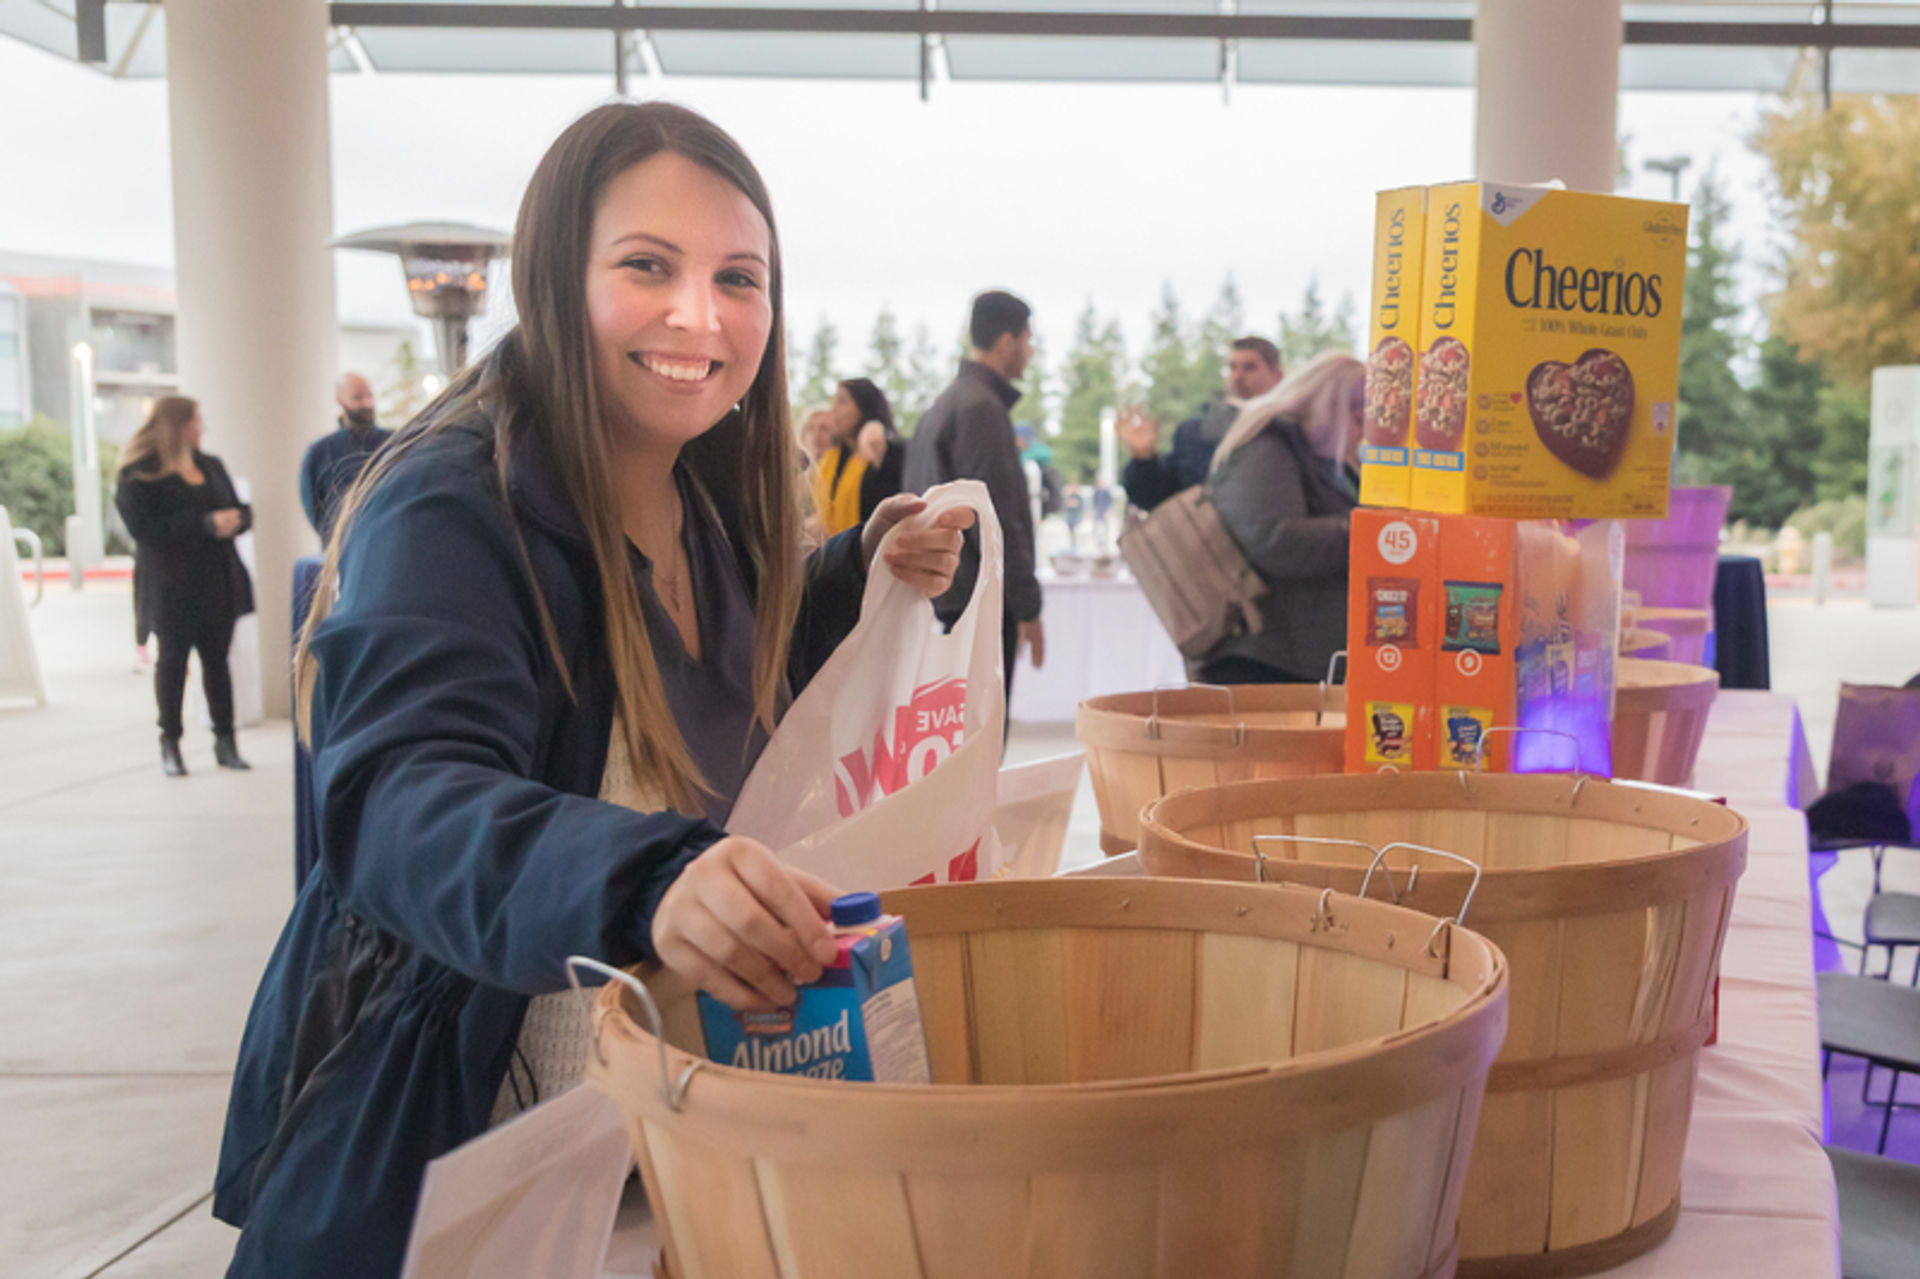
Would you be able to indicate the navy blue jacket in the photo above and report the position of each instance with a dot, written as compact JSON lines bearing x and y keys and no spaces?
{"x":329,"y":469}
{"x":1150,"y":481}
{"x":463,"y":851}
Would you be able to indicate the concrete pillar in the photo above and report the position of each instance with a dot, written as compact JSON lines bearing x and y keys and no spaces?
{"x":1549,"y":90}
{"x":252,"y":214}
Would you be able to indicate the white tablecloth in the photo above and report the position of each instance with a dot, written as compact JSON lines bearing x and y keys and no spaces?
{"x":1757,"y":1196}
{"x":1102,"y":637}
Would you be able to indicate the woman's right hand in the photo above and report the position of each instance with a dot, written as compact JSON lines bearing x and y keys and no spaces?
{"x":743,"y":927}
{"x":226,"y":523}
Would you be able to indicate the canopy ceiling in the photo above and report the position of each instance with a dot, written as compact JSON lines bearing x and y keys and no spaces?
{"x":1865,"y":45}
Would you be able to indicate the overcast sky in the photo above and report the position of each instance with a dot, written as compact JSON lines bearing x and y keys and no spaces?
{"x":1062,"y":193}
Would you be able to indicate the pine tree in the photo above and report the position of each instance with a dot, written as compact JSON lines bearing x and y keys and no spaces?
{"x":1166,"y":365}
{"x":1092,"y":377}
{"x":1312,"y":330}
{"x":884,"y":361}
{"x":927,"y":376}
{"x":1716,"y":440}
{"x":1778,"y":476}
{"x":818,"y":374}
{"x":1208,"y":355}
{"x":1036,"y":390}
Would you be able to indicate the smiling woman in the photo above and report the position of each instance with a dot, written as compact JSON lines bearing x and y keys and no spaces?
{"x":559,"y":617}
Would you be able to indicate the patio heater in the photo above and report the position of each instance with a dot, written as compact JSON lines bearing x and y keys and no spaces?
{"x":446,"y":267}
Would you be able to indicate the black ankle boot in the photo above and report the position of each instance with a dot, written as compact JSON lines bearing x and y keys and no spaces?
{"x":170,"y":762}
{"x":226,"y":752}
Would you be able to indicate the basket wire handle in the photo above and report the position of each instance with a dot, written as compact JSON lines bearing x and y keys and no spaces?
{"x":1458,"y":918}
{"x":1153,"y":720}
{"x":1480,"y":754}
{"x":676,"y":1095}
{"x":1260,"y":858}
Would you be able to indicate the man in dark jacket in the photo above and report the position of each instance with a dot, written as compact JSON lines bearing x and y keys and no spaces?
{"x":1151,"y":477}
{"x":968,"y":435}
{"x":332,"y":464}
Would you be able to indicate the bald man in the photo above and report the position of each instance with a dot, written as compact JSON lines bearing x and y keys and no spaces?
{"x":335,"y":462}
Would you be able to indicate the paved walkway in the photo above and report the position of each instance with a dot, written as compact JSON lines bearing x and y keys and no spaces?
{"x":140,"y":910}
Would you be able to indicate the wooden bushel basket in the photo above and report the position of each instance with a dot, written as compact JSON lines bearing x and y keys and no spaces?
{"x":1685,"y":628}
{"x":1142,"y":746}
{"x":1610,"y":903}
{"x":1647,"y":645}
{"x":1133,"y":1079}
{"x":1660,"y":714}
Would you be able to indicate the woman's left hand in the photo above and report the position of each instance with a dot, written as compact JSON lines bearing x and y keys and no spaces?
{"x":871,"y":444}
{"x":927,"y":552}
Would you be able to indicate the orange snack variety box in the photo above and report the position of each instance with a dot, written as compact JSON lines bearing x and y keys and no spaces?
{"x":1477,"y":642}
{"x":1392,"y":634}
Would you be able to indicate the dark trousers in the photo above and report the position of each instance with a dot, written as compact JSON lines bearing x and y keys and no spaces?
{"x":212,"y":638}
{"x":1234,"y":669}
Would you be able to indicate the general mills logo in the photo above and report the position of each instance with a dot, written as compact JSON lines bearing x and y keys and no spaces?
{"x":1500,"y":202}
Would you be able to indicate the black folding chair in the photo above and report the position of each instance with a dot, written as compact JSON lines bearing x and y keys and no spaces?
{"x":1878,"y":1022}
{"x":1879,"y":1215}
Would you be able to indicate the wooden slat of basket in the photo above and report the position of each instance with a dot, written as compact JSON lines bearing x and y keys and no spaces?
{"x":1596,"y":1142}
{"x":1194,"y":1197}
{"x":1328,"y":1200}
{"x":1245,"y":1000}
{"x":658,"y":1192}
{"x":1344,"y":998}
{"x":699,"y":1179}
{"x":1505,"y":1207}
{"x":1427,"y":999}
{"x":1129,"y":1003}
{"x":940,"y":981}
{"x":1406,"y":1174}
{"x":1097,"y":1223}
{"x":1533,"y":949}
{"x":971,"y":1226}
{"x":1019,"y":1023}
{"x":1596,"y":1161}
{"x":1669,"y":1102}
{"x":1516,"y":841}
{"x":843,"y":1221}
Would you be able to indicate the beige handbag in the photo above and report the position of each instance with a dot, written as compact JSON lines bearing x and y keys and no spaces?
{"x":1193,"y":572}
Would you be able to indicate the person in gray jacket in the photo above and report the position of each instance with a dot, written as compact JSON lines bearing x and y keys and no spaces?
{"x":968,"y":435}
{"x":1283,"y":482}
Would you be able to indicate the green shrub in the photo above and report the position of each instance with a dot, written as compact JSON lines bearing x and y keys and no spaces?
{"x":1845,"y":518}
{"x":36,"y":482}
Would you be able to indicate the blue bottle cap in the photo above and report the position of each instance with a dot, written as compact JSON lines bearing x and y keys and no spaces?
{"x":854,"y":909}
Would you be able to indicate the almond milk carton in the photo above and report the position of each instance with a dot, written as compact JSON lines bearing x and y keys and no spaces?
{"x":860,"y":1020}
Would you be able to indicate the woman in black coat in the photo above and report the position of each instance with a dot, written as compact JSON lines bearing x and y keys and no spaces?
{"x":191,"y":587}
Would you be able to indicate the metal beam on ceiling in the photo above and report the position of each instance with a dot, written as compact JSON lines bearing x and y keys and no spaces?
{"x":925,"y":22}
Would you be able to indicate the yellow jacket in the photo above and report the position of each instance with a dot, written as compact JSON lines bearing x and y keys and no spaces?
{"x":836,"y":488}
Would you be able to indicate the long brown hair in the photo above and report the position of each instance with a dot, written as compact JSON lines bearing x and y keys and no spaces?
{"x":539,"y":386}
{"x":157,"y":442}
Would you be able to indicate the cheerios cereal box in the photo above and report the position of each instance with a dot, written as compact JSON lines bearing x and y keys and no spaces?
{"x":1549,"y":353}
{"x":1393,"y":339}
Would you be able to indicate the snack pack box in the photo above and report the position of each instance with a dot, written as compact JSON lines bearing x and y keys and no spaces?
{"x":1392,"y":634}
{"x":1458,"y":626}
{"x":1393,"y":338}
{"x":1549,"y":353}
{"x":860,"y":1020}
{"x":1473,"y":687}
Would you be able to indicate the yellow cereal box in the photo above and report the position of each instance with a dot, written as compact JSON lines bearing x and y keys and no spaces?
{"x":1549,"y":353}
{"x":1393,"y":342}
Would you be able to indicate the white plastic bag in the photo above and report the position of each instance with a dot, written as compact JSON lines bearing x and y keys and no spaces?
{"x":884,"y":770}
